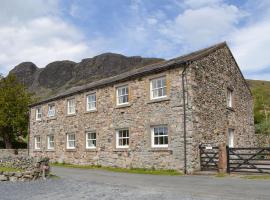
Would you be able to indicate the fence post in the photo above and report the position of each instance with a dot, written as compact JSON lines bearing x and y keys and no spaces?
{"x":222,"y":158}
{"x":228,"y":159}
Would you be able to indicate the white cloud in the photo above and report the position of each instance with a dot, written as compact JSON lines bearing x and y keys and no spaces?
{"x":40,"y":38}
{"x":202,"y":26}
{"x":251,"y":46}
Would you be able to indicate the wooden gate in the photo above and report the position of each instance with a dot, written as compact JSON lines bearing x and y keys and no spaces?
{"x":249,"y":160}
{"x":209,"y":158}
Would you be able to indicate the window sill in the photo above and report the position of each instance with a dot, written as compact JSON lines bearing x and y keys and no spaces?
{"x":50,"y":150}
{"x":37,"y":150}
{"x":121,"y":150}
{"x":158,"y":100}
{"x":90,"y":111}
{"x":51,"y":118}
{"x":70,"y":115}
{"x":231,"y":109}
{"x":123,"y":106}
{"x":91,"y":150}
{"x":70,"y":150}
{"x":160,"y":149}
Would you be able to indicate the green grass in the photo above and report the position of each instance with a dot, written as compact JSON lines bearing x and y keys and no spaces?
{"x":124,"y":170}
{"x":221,"y":175}
{"x":257,"y":177}
{"x":9,"y":169}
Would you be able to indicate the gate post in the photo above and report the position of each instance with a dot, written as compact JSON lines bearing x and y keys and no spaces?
{"x":222,"y":161}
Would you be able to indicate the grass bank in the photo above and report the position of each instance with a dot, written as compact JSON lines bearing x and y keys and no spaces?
{"x":9,"y":169}
{"x":257,"y":177}
{"x":123,"y":170}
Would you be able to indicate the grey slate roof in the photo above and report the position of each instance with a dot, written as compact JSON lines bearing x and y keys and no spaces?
{"x":148,"y":69}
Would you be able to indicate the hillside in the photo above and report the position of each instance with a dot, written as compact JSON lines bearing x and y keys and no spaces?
{"x":59,"y":76}
{"x":261,"y":95}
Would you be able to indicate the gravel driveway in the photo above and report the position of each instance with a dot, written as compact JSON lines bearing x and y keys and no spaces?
{"x":98,"y":184}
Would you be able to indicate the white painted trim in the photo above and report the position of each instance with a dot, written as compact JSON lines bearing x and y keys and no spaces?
{"x":117,"y":139}
{"x":153,"y":140}
{"x":86,"y":140}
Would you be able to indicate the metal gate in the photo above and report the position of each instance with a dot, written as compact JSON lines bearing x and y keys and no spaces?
{"x":209,"y":158}
{"x":250,"y":160}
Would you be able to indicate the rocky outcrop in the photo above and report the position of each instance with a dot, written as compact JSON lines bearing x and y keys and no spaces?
{"x":61,"y":75}
{"x":25,"y":73}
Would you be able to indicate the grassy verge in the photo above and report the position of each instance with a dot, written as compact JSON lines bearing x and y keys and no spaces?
{"x":9,"y":169}
{"x":257,"y":177}
{"x":221,"y":175}
{"x":132,"y":170}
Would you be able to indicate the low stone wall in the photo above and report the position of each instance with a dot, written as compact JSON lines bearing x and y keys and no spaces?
{"x":28,"y":168}
{"x":12,"y":152}
{"x":262,"y":140}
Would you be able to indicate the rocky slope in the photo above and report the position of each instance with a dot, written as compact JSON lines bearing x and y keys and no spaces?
{"x":61,"y":75}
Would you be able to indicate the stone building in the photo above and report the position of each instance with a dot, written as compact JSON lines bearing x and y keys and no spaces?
{"x":155,"y":116}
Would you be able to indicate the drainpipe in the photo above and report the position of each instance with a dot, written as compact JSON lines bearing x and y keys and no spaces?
{"x":28,"y":139}
{"x":184,"y":118}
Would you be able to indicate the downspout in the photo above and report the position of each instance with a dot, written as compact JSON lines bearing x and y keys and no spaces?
{"x":28,"y":139}
{"x":184,"y":118}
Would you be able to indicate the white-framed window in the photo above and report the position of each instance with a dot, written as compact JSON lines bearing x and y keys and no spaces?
{"x":158,"y":88}
{"x":37,"y":140}
{"x":122,"y":138}
{"x":159,"y":136}
{"x":50,"y":142}
{"x":91,"y":102}
{"x":38,"y":113}
{"x":231,"y":137}
{"x":71,"y":107}
{"x":91,"y":140}
{"x":229,"y":98}
{"x":71,"y":141}
{"x":51,"y":110}
{"x":122,"y":95}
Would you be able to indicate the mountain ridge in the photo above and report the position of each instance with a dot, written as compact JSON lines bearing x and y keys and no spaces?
{"x":59,"y":76}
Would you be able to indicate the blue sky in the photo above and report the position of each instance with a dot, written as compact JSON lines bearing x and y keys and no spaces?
{"x":43,"y":31}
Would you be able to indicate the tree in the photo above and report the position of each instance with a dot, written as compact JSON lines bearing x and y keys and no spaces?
{"x":14,"y":102}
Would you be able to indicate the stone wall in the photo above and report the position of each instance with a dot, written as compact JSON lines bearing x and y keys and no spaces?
{"x":209,"y":79}
{"x":27,"y":168}
{"x":139,"y":115}
{"x":11,"y":152}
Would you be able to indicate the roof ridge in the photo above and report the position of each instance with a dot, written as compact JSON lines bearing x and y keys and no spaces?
{"x":155,"y":67}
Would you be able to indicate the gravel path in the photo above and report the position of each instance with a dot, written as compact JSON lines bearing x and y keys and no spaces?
{"x":98,"y":184}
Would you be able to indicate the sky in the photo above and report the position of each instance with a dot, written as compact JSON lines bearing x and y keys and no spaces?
{"x":43,"y":31}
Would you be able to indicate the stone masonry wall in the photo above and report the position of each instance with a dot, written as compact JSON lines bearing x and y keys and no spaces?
{"x":11,"y":152}
{"x":138,"y":116}
{"x":26,"y":168}
{"x":209,"y":79}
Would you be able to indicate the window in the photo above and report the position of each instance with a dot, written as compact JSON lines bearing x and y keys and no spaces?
{"x":158,"y":88}
{"x":122,"y":95}
{"x":91,"y":140}
{"x":37,"y":142}
{"x":71,"y":141}
{"x":230,"y":137}
{"x":50,"y":142}
{"x":51,"y":110}
{"x":71,"y":106}
{"x":38,"y":113}
{"x":159,"y":136}
{"x":91,"y":102}
{"x":229,"y":98}
{"x":122,"y":138}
